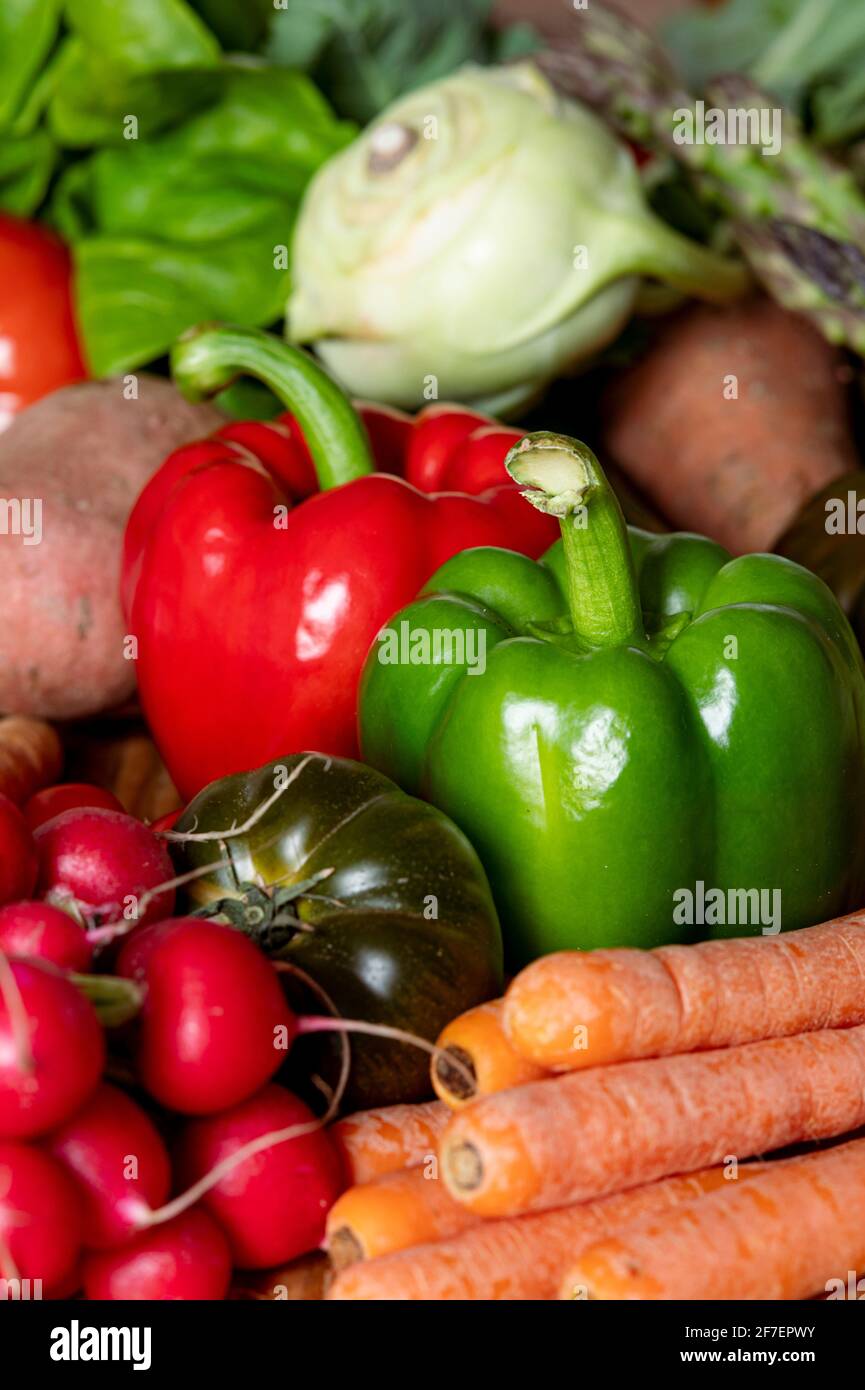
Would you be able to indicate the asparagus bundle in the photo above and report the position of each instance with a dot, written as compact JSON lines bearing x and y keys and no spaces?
{"x":797,"y":214}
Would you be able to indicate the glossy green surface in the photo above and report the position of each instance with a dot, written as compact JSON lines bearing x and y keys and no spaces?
{"x":403,"y":931}
{"x":724,"y":746}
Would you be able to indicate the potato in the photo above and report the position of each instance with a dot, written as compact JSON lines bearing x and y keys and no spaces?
{"x":80,"y":456}
{"x":732,"y":421}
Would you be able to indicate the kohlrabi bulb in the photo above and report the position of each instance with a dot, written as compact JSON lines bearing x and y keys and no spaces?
{"x":482,"y":236}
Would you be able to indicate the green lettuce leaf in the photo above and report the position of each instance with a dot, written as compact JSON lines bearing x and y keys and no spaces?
{"x":194,"y":224}
{"x":154,"y":60}
{"x":26,"y":165}
{"x":135,"y":297}
{"x":28,"y":29}
{"x":91,"y":101}
{"x":144,"y":36}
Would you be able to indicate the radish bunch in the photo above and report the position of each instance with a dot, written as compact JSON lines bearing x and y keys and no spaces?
{"x":157,"y":1189}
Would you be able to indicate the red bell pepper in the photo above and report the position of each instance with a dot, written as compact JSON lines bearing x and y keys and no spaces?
{"x":39,"y":348}
{"x":260,"y":563}
{"x":441,"y":449}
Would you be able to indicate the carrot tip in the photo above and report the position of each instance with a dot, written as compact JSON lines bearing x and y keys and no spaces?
{"x":465,"y":1167}
{"x":458,"y":1081}
{"x":344,"y":1248}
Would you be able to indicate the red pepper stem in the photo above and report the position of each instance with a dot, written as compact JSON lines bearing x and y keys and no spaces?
{"x":562,"y":477}
{"x":209,"y":358}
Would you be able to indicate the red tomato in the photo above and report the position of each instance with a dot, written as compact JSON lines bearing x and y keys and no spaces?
{"x":52,"y":801}
{"x":39,"y":346}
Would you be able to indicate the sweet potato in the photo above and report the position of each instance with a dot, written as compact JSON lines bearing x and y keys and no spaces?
{"x":71,"y":467}
{"x":732,"y":420}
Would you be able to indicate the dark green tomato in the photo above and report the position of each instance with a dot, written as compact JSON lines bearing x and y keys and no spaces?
{"x":378,"y":899}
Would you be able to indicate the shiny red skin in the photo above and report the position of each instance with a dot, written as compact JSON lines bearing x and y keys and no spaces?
{"x":102,"y":859}
{"x":43,"y":932}
{"x":40,"y":1218}
{"x":39,"y":345}
{"x":166,"y":822}
{"x":443,"y":450}
{"x":96,"y":1146}
{"x":251,"y":636}
{"x":390,"y":432}
{"x":187,"y":1258}
{"x":53,"y":801}
{"x":272,"y":1206}
{"x":68,"y":1048}
{"x":214,"y":1025}
{"x":18,"y":862}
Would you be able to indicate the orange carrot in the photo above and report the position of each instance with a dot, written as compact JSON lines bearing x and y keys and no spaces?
{"x":574,"y":1137}
{"x":518,"y":1259}
{"x":478,"y":1040}
{"x":408,"y":1207}
{"x":374,"y":1142}
{"x":792,"y":1232}
{"x":583,"y":1008}
{"x":31,"y":756}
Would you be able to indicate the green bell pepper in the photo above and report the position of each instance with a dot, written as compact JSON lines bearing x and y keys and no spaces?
{"x":375,"y":903}
{"x":634,"y":718}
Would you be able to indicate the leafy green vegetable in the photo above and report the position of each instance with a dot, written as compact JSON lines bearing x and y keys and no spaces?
{"x":365,"y":53}
{"x":28,"y":29}
{"x":91,"y":100}
{"x":240,"y":25}
{"x":136,"y":297}
{"x":125,"y":61}
{"x":808,"y":53}
{"x":176,"y":169}
{"x":728,"y":38}
{"x":145,"y":36}
{"x":194,"y":224}
{"x":26,"y":165}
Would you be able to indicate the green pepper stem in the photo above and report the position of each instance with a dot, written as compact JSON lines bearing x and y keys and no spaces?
{"x":562,"y":477}
{"x":209,"y":358}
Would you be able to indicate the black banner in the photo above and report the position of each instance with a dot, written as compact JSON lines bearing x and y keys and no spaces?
{"x":68,"y":1340}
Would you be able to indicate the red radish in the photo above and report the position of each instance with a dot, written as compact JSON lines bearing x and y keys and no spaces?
{"x":71,"y":1285}
{"x":166,"y":822}
{"x":40,"y":1218}
{"x":106,"y":861}
{"x":187,"y":1258}
{"x":18,"y":862}
{"x":51,"y":801}
{"x":52,"y":1049}
{"x":214,"y":1025}
{"x":112,"y":1149}
{"x":43,"y":932}
{"x":273,"y":1204}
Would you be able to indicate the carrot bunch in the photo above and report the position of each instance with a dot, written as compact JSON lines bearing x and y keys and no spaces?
{"x":593,"y":1140}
